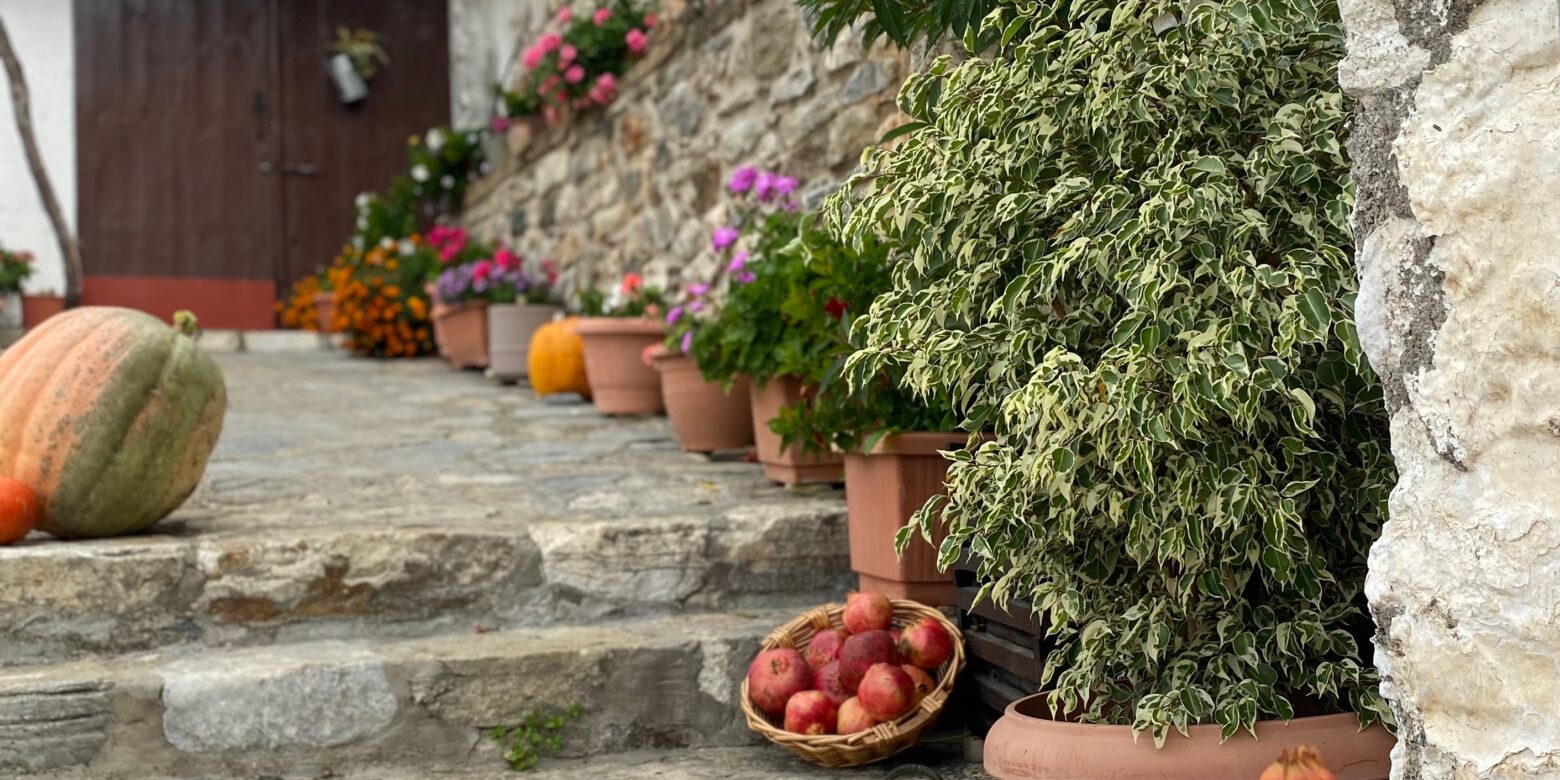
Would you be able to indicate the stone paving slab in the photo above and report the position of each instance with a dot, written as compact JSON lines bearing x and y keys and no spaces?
{"x":352,"y":498}
{"x":327,"y":707}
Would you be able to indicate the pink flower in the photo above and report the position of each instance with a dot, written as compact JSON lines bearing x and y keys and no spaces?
{"x":501,"y":123}
{"x":550,"y":269}
{"x":574,"y":75}
{"x":602,"y":15}
{"x":550,"y":41}
{"x":507,"y":260}
{"x":568,"y":53}
{"x":650,"y":20}
{"x":551,"y":115}
{"x":565,"y":15}
{"x":482,"y":270}
{"x":636,"y":41}
{"x":605,"y":90}
{"x":674,"y":315}
{"x":724,"y":237}
{"x":784,"y":186}
{"x":698,"y":290}
{"x":738,"y":262}
{"x":687,"y":342}
{"x":746,"y":277}
{"x":742,"y":179}
{"x":533,"y":57}
{"x":764,"y":186}
{"x":549,"y":86}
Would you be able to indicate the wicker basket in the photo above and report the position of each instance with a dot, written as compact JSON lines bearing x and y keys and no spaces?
{"x":884,"y":739}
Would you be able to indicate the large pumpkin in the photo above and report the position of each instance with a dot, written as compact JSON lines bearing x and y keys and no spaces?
{"x":558,"y":359}
{"x":109,"y":416}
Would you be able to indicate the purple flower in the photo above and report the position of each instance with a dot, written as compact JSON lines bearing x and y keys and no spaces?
{"x":674,"y":315}
{"x":696,"y":306}
{"x":687,"y":342}
{"x":742,"y":179}
{"x":737,"y":262}
{"x":784,"y":186}
{"x":764,"y":186}
{"x":746,"y":277}
{"x":698,"y":289}
{"x":724,"y":237}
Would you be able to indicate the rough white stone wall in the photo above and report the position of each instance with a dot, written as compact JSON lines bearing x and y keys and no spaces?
{"x":1458,"y":157}
{"x":41,"y":32}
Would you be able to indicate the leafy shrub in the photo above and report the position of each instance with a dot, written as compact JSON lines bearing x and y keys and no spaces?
{"x":15,"y":268}
{"x":1126,"y":252}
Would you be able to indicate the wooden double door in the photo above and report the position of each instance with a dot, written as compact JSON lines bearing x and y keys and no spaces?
{"x":216,"y":163}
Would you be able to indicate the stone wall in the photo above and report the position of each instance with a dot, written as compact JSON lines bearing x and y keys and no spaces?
{"x":1457,"y":157}
{"x":638,"y":185}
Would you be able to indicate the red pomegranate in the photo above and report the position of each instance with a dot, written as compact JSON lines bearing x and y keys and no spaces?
{"x":924,"y":684}
{"x":824,"y":647}
{"x":853,"y":717}
{"x":867,"y":612}
{"x":886,"y":692}
{"x":926,"y":644}
{"x":861,"y":651}
{"x":774,"y":677}
{"x":827,"y":680}
{"x":810,"y":712}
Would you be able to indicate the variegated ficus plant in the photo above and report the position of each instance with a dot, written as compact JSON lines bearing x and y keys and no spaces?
{"x":1124,"y":249}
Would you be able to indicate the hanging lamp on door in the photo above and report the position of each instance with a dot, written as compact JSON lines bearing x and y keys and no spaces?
{"x":355,"y":58}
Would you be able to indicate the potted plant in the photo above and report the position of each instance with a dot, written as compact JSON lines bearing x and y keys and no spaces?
{"x":460,"y":317}
{"x":520,"y":303}
{"x":1153,"y":318}
{"x":324,"y":305}
{"x":15,"y":267}
{"x":576,"y":66}
{"x":382,"y":306}
{"x":618,"y":333}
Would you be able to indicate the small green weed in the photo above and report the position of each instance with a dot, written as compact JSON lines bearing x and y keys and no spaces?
{"x":540,"y":734}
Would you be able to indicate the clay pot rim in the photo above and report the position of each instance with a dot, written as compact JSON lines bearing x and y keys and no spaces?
{"x":451,"y":309}
{"x":523,"y":305}
{"x":916,"y":443}
{"x":618,"y":326}
{"x":1199,"y":732}
{"x":663,"y":358}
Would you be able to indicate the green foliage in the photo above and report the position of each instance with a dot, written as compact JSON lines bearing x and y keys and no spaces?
{"x":539,"y":735}
{"x":901,"y":20}
{"x":1126,"y":253}
{"x":440,"y":165}
{"x":601,"y":53}
{"x":631,"y":298}
{"x":15,"y":268}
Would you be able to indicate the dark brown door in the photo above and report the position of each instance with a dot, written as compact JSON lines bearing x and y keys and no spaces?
{"x":215,"y":163}
{"x":349,"y":149}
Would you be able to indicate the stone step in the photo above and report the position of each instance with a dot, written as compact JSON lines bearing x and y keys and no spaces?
{"x":61,"y":601}
{"x":423,"y":706}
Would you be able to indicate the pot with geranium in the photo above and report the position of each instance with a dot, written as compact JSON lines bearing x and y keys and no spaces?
{"x":578,"y":65}
{"x":618,"y":332}
{"x":460,"y":296}
{"x":15,"y":267}
{"x":520,"y":302}
{"x":706,"y":416}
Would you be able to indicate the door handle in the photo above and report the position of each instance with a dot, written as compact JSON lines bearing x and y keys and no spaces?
{"x":290,"y":169}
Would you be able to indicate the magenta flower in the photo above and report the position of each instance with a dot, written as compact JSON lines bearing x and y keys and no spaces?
{"x":574,"y":75}
{"x":698,"y":290}
{"x":674,"y":315}
{"x":507,"y":260}
{"x":501,"y":123}
{"x":696,"y":306}
{"x":724,"y":237}
{"x":650,"y":20}
{"x":568,"y":53}
{"x":533,"y":57}
{"x":482,"y":270}
{"x":550,"y":42}
{"x":565,"y":15}
{"x":636,"y":41}
{"x":738,"y":262}
{"x":784,"y":186}
{"x":746,"y":277}
{"x":742,"y":179}
{"x":605,"y":90}
{"x":687,"y":342}
{"x":764,"y":186}
{"x":602,"y":15}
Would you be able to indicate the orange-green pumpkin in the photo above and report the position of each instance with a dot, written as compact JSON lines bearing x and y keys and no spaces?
{"x":557,"y":361}
{"x":109,"y":415}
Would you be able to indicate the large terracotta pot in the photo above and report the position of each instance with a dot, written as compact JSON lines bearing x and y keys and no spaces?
{"x":621,"y":381}
{"x":325,"y":311}
{"x":1027,"y":745}
{"x":788,"y":465}
{"x":510,"y":328}
{"x":883,"y":488}
{"x":461,"y":333}
{"x":37,"y":308}
{"x":705,"y":417}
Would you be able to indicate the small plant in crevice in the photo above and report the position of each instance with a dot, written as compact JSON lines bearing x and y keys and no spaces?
{"x":539,"y":735}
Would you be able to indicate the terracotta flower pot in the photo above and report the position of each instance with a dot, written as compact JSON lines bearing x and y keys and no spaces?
{"x":461,"y":333}
{"x":510,"y":328}
{"x":1026,"y":744}
{"x":325,"y":311}
{"x":620,"y":379}
{"x":37,"y":308}
{"x":788,"y":465}
{"x":704,"y":416}
{"x":883,"y":489}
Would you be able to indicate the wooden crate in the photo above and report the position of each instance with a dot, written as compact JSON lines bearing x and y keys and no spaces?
{"x":1006,"y":649}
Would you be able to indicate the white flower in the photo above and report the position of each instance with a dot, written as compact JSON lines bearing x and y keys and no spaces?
{"x":387,"y":243}
{"x":435,"y":140}
{"x":447,"y":182}
{"x":419,"y":172}
{"x":363,"y":199}
{"x":362,"y":223}
{"x":407,"y":248}
{"x":357,"y":243}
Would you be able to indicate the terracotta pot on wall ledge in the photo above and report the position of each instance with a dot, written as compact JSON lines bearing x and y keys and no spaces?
{"x":883,"y":488}
{"x":621,"y":380}
{"x":37,"y":308}
{"x":461,"y":332}
{"x":705,"y":417}
{"x":325,"y":311}
{"x":788,"y":465}
{"x":1026,"y":744}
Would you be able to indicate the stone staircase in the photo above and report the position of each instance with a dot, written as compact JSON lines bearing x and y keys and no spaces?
{"x":388,"y":560}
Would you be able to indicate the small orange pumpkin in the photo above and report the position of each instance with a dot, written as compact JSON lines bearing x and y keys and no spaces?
{"x":557,"y":361}
{"x":18,"y":511}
